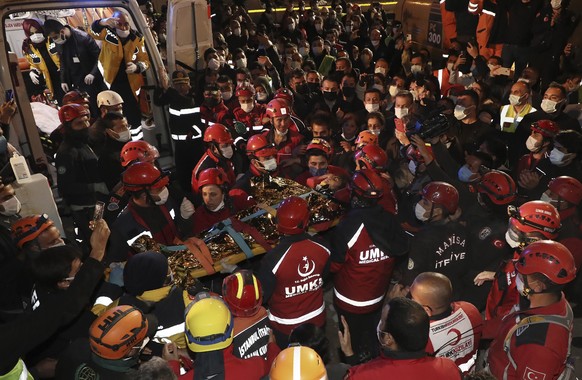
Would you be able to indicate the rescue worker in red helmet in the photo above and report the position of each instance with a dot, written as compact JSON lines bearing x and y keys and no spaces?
{"x":441,"y":245}
{"x":455,"y":326}
{"x":534,"y":340}
{"x":285,"y":139}
{"x":218,"y":201}
{"x":292,"y":273}
{"x":263,"y":162}
{"x":365,"y":247}
{"x":243,"y":294}
{"x":318,"y":154}
{"x":565,"y":193}
{"x":249,"y":113}
{"x":78,"y":177}
{"x":532,"y":221}
{"x":76,"y":97}
{"x":209,"y":333}
{"x":185,"y":123}
{"x":112,"y":349}
{"x":219,"y":154}
{"x":286,"y":95}
{"x":152,"y":209}
{"x":373,"y":157}
{"x":213,"y":109}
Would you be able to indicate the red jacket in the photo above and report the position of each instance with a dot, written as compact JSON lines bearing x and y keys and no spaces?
{"x":217,"y":114}
{"x":208,"y":161}
{"x":204,"y":218}
{"x":285,"y":149}
{"x":402,"y":365}
{"x":539,"y":350}
{"x":503,"y":294}
{"x":457,"y":335}
{"x":252,"y":120}
{"x":306,"y":179}
{"x":235,"y":368}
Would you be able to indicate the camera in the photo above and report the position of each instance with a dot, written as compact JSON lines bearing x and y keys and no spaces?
{"x":430,"y":128}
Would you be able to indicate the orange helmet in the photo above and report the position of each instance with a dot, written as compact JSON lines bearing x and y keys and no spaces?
{"x":567,"y":188}
{"x":277,"y":107}
{"x":298,"y":362}
{"x":76,"y":97}
{"x":443,"y":194}
{"x":143,"y":176}
{"x":549,"y":258}
{"x":365,"y":138}
{"x":29,"y":228}
{"x":212,"y":176}
{"x":536,"y":216}
{"x":546,"y":128}
{"x":258,"y":146}
{"x":293,"y":216}
{"x":320,"y":144}
{"x":243,"y":293}
{"x":117,"y":331}
{"x":373,"y":157}
{"x":498,"y":186}
{"x":367,"y":184}
{"x":217,"y":133}
{"x":139,"y":151}
{"x":72,"y":111}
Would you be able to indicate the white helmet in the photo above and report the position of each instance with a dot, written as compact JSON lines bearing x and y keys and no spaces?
{"x":109,"y":98}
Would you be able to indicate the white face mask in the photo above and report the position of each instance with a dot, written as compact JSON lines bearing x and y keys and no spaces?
{"x":227,"y":152}
{"x":460,"y":112}
{"x":123,"y":136}
{"x":220,"y":206}
{"x":279,"y":133}
{"x":163,"y":195}
{"x":237,"y":32}
{"x":213,"y":64}
{"x":492,"y":66}
{"x":549,"y":106}
{"x":532,"y":144}
{"x":420,"y":212}
{"x":514,"y":100}
{"x":546,"y":198}
{"x":270,"y":165}
{"x":559,"y":158}
{"x":512,"y":243}
{"x":122,"y":33}
{"x":465,"y":174}
{"x":247,"y":107}
{"x":11,"y":206}
{"x":415,"y":69}
{"x":400,"y":112}
{"x":62,"y":243}
{"x":226,"y":95}
{"x":375,"y":43}
{"x":380,"y":70}
{"x":520,"y":286}
{"x":372,"y":107}
{"x":450,"y":66}
{"x":393,"y":90}
{"x":556,"y":4}
{"x":37,"y":38}
{"x":317,"y":50}
{"x":379,"y":87}
{"x":241,"y":62}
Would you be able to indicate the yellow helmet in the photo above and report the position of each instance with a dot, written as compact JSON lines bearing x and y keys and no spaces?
{"x":298,"y":362}
{"x":209,"y":324}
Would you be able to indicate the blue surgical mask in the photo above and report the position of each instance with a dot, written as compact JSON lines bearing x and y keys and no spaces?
{"x":465,"y":174}
{"x":317,"y":172}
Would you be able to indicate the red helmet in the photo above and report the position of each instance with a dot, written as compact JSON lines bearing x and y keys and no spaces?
{"x":143,"y":176}
{"x":70,"y":112}
{"x":276,"y":108}
{"x":286,"y":95}
{"x":498,"y":186}
{"x":243,"y":293}
{"x":29,"y":228}
{"x":546,"y":128}
{"x":549,"y":258}
{"x":293,"y":216}
{"x":139,"y":151}
{"x":320,"y":144}
{"x":245,"y":90}
{"x":218,"y":133}
{"x":258,"y":146}
{"x":443,"y":194}
{"x":366,"y":137}
{"x":567,"y":188}
{"x":367,"y":184}
{"x":373,"y":156}
{"x":212,"y":176}
{"x":76,"y":97}
{"x":536,"y":216}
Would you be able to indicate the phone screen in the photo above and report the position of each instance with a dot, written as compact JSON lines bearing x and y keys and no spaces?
{"x":8,"y":95}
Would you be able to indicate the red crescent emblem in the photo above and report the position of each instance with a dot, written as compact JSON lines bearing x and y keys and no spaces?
{"x":458,"y":333}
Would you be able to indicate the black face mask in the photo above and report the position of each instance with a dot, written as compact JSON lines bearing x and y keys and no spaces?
{"x":330,"y":96}
{"x":80,"y":137}
{"x":303,"y":89}
{"x":348,"y":91}
{"x":211,"y":102}
{"x":313,"y":86}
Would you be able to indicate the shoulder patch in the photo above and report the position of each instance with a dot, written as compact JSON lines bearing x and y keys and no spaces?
{"x":410,"y":264}
{"x":84,"y":372}
{"x":532,"y":334}
{"x":484,"y":233}
{"x":61,"y":170}
{"x":113,"y":206}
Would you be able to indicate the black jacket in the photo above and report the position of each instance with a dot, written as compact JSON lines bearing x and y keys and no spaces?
{"x":79,"y":57}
